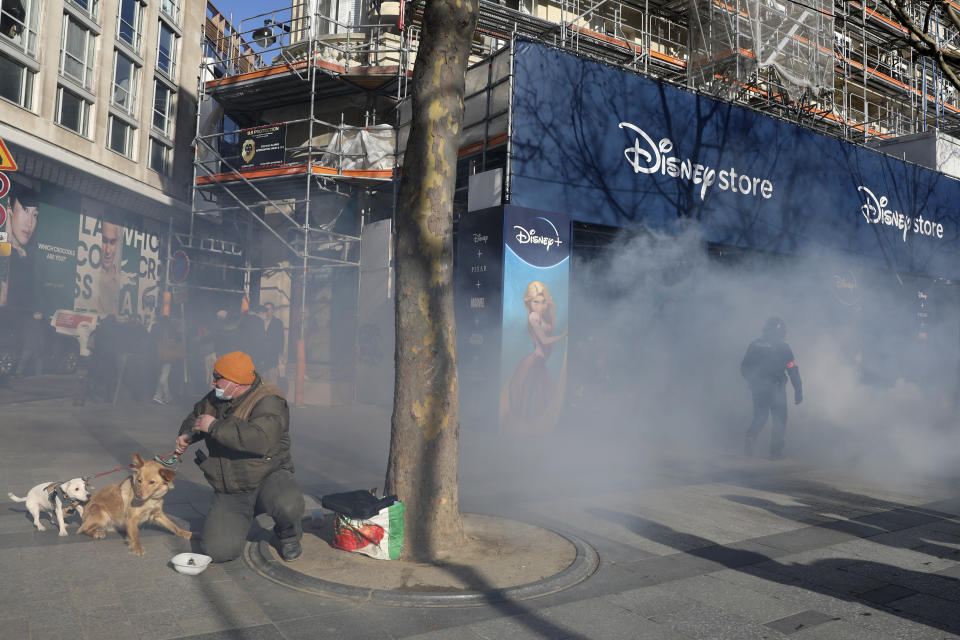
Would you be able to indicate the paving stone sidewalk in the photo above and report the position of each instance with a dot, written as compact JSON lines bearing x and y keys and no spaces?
{"x":691,"y":545}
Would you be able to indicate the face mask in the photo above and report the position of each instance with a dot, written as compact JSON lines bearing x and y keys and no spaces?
{"x":217,"y":391}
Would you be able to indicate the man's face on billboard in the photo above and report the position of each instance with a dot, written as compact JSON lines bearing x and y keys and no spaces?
{"x":109,"y":237}
{"x":23,"y":222}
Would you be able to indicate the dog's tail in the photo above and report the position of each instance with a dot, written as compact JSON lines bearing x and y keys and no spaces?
{"x":15,"y":498}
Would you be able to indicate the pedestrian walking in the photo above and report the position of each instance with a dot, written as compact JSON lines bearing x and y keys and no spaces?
{"x":766,"y":366}
{"x":273,"y":347}
{"x":169,"y":352}
{"x":36,"y":333}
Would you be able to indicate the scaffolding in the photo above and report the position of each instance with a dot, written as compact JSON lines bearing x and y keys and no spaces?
{"x":779,"y":48}
{"x":844,"y":69}
{"x":296,"y":143}
{"x":302,"y":114}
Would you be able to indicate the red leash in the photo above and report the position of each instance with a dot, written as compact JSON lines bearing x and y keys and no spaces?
{"x":129,"y":466}
{"x":167,"y":460}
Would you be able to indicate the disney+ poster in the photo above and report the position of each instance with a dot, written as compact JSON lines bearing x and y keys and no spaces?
{"x":536,"y":300}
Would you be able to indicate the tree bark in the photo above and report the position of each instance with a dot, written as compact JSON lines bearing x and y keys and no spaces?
{"x":424,"y":436}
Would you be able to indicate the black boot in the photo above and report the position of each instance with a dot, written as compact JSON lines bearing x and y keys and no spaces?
{"x":290,"y":550}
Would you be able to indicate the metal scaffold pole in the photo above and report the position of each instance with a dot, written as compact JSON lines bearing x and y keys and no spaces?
{"x":301,"y":338}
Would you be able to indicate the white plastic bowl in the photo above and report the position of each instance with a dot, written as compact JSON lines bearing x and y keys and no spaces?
{"x":190,"y":563}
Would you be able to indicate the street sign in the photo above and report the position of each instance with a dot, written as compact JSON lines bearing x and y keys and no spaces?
{"x":4,"y":190}
{"x":7,"y":162}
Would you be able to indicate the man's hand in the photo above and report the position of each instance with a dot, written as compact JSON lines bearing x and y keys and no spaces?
{"x":182,"y":443}
{"x":797,"y":397}
{"x":202,"y":423}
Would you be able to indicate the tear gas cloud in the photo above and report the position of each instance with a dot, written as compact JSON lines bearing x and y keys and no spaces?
{"x":659,"y":325}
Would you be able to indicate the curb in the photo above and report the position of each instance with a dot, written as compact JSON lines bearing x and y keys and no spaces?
{"x":259,"y":557}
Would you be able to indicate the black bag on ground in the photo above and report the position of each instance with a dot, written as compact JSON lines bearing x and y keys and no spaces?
{"x":359,"y":504}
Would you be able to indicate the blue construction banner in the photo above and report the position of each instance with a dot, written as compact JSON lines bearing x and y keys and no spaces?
{"x":536,"y":300}
{"x":613,"y":148}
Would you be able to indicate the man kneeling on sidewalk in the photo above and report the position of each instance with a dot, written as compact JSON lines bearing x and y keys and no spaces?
{"x":245,"y":422}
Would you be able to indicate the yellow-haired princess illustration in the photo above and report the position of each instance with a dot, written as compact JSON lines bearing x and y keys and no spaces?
{"x":531,"y":401}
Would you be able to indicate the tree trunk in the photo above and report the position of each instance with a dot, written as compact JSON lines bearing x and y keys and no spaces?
{"x":424,"y":438}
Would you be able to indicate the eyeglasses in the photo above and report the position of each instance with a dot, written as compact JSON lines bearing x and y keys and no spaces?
{"x":217,"y":376}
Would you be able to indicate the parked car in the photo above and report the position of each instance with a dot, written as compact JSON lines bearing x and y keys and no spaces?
{"x":60,"y":355}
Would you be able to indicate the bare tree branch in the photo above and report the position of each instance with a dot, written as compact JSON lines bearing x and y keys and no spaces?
{"x":921,"y":41}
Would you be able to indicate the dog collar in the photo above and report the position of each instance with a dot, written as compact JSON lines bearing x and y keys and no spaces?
{"x":69,"y":504}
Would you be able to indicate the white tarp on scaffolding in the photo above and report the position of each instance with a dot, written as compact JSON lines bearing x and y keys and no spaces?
{"x":368,"y":148}
{"x":733,"y":39}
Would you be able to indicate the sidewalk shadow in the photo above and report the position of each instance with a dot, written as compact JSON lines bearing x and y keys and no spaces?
{"x":523,"y":615}
{"x":908,"y":582}
{"x":896,"y":517}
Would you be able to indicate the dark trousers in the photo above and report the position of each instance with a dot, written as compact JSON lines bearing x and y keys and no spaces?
{"x":770,"y":400}
{"x":81,"y":381}
{"x":225,"y":529}
{"x":29,"y":359}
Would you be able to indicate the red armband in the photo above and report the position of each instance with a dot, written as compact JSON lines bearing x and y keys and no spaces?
{"x":791,"y":364}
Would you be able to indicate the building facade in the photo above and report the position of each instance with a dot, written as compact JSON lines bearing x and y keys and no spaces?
{"x":303,"y":125}
{"x":97,"y":107}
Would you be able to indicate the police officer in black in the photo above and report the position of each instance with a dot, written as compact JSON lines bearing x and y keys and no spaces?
{"x":765,"y":367}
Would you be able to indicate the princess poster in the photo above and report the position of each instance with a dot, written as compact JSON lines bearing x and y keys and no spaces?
{"x":536,"y":283}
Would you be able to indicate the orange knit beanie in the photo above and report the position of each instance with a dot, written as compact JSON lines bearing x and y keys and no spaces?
{"x":236,"y":367}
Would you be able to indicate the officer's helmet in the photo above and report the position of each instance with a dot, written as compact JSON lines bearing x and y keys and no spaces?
{"x":775,"y":329}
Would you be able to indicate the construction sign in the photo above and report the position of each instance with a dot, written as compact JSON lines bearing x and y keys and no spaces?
{"x":7,"y":162}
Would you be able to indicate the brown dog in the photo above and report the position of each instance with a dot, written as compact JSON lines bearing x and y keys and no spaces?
{"x":131,"y":502}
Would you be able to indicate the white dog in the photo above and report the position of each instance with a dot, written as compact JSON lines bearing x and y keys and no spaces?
{"x":59,"y":498}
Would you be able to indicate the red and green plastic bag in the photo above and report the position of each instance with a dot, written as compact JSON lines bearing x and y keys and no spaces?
{"x":380,"y":536}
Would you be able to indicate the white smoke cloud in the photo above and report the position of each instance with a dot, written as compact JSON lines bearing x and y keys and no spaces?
{"x":658,"y":328}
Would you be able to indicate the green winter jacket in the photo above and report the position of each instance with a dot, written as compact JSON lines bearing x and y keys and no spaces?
{"x":249,"y":439}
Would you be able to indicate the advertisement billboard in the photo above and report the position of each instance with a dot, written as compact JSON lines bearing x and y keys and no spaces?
{"x":478,"y":300}
{"x":536,"y":300}
{"x":512,"y":300}
{"x":617,"y":149}
{"x":62,"y":258}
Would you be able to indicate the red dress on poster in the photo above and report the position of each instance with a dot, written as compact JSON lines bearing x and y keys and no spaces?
{"x":530,"y":402}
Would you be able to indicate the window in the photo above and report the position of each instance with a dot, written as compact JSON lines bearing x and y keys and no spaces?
{"x":16,"y":82}
{"x":163,"y":108}
{"x":18,"y":24}
{"x":130,"y":22}
{"x":90,"y":8}
{"x":76,"y":53}
{"x":121,"y":137}
{"x":171,"y":8}
{"x":125,"y":74}
{"x":73,"y":112}
{"x":167,"y":50}
{"x":159,"y":157}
